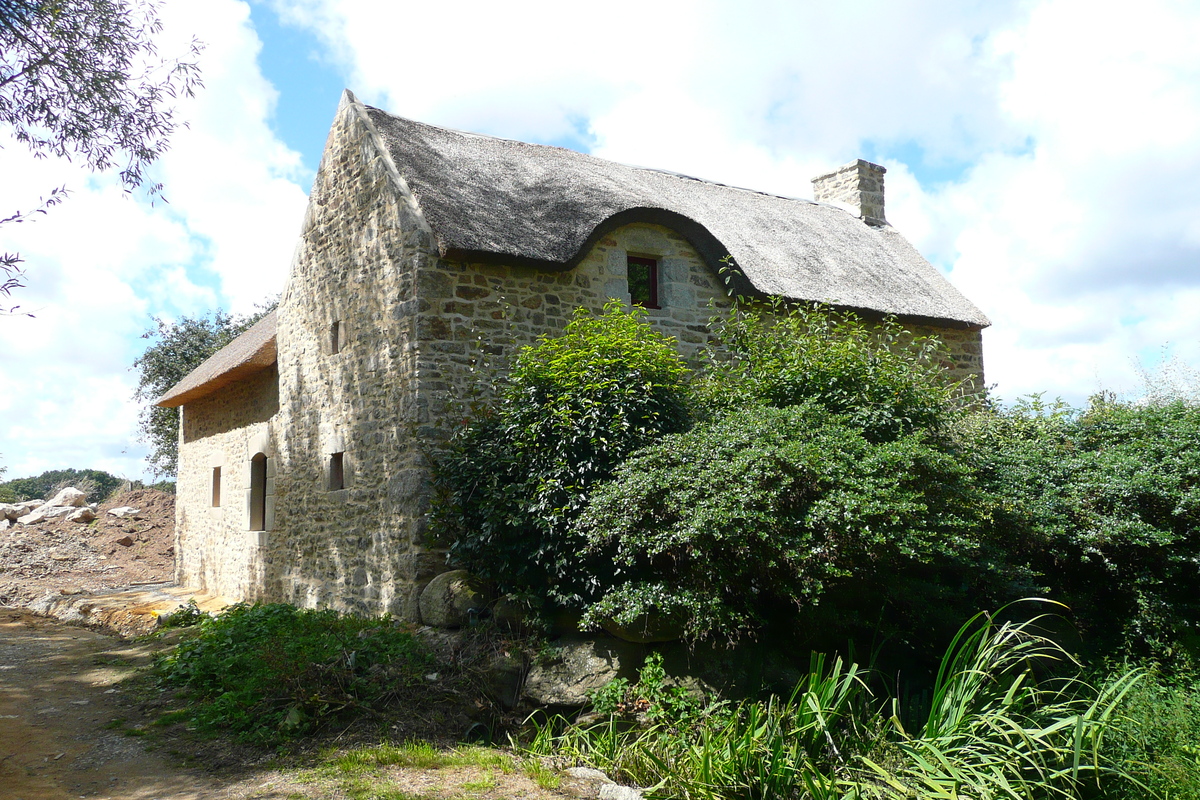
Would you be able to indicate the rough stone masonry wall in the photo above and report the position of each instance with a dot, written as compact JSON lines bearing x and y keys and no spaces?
{"x":476,"y":316}
{"x":216,"y":551}
{"x":359,"y":548}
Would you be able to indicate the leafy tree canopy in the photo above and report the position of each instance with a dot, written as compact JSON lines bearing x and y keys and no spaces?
{"x":96,"y":482}
{"x":181,"y":346}
{"x":82,"y":79}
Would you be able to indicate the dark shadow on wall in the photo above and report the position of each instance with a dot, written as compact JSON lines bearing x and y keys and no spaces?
{"x":249,"y":401}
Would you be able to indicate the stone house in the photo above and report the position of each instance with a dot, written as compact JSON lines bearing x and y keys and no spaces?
{"x":303,"y":472}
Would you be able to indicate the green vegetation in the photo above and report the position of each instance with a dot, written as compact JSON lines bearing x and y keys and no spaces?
{"x":267,"y":673}
{"x":573,"y":407}
{"x":1000,"y":724}
{"x":82,"y":79}
{"x":98,"y":484}
{"x":822,"y":487}
{"x":1102,"y":508}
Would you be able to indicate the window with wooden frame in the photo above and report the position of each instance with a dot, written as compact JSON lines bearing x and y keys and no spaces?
{"x":643,"y":281}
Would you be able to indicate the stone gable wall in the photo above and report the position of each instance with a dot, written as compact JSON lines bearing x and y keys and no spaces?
{"x":215,"y":549}
{"x":358,"y":548}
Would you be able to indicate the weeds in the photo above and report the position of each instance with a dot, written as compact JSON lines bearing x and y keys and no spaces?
{"x":1001,"y":725}
{"x":267,"y":673}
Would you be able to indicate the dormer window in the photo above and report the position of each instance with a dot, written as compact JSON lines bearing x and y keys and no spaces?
{"x":643,"y":281}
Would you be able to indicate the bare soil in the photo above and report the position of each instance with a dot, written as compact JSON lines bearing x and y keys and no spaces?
{"x":56,"y":556}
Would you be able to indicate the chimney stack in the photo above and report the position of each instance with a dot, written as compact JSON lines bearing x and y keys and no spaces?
{"x":856,"y":187}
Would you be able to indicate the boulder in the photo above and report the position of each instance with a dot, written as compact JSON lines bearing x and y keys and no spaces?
{"x":83,"y":514}
{"x":50,"y":512}
{"x":4,"y":523}
{"x":614,"y":791}
{"x":502,"y":675}
{"x":124,"y":511}
{"x":645,"y":629}
{"x":575,"y":667}
{"x":68,"y":497}
{"x":33,"y":517}
{"x":29,"y":505}
{"x":11,"y":510}
{"x":449,"y":600}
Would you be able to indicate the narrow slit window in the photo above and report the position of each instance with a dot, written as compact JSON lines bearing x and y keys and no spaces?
{"x":335,"y":337}
{"x":643,"y":281}
{"x":216,"y":487}
{"x":337,"y":471}
{"x":258,"y":493}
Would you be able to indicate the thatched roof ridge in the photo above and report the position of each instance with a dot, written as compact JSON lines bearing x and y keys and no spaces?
{"x":501,"y":200}
{"x":250,"y":353}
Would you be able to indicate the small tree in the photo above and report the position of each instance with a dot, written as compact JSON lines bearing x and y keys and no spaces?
{"x":181,"y":347}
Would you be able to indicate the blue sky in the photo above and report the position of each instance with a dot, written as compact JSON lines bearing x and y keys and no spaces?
{"x":1045,"y":154}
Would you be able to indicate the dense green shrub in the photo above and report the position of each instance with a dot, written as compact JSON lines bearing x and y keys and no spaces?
{"x":269,"y":672}
{"x":1101,"y":507}
{"x":762,"y":510}
{"x":571,"y":409}
{"x":878,"y":376}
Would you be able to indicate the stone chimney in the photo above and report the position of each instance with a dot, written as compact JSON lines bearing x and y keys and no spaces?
{"x":856,"y":187}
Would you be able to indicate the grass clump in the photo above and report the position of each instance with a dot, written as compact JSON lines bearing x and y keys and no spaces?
{"x":1006,"y":719}
{"x":267,"y":673}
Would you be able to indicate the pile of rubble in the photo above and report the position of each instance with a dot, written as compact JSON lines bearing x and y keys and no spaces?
{"x":70,"y":504}
{"x":66,"y":546}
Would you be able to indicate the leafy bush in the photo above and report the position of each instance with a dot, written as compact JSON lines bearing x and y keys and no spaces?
{"x":270,"y":672}
{"x":572,"y":408}
{"x":763,"y":510}
{"x":1103,"y":508}
{"x":878,"y":376}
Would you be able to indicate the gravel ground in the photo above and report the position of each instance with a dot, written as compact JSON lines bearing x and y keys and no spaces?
{"x":56,"y":556}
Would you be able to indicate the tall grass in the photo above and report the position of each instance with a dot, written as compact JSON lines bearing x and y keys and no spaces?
{"x":1003,"y":723}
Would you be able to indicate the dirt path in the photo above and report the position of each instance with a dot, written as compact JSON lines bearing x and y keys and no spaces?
{"x":63,"y":704}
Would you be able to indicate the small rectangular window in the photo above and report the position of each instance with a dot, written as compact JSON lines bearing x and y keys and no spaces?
{"x":335,"y":338}
{"x":216,"y":487}
{"x":643,"y":281}
{"x":337,"y":472}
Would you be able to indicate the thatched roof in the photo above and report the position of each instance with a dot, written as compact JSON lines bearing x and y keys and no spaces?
{"x":249,"y":353}
{"x":501,"y":200}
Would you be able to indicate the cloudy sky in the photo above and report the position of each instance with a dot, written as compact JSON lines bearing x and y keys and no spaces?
{"x":1044,"y":154}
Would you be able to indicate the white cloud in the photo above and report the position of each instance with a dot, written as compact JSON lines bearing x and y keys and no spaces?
{"x":102,"y":264}
{"x":1084,"y":250}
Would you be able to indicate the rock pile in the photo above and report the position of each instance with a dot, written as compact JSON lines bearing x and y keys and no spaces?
{"x":69,"y":503}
